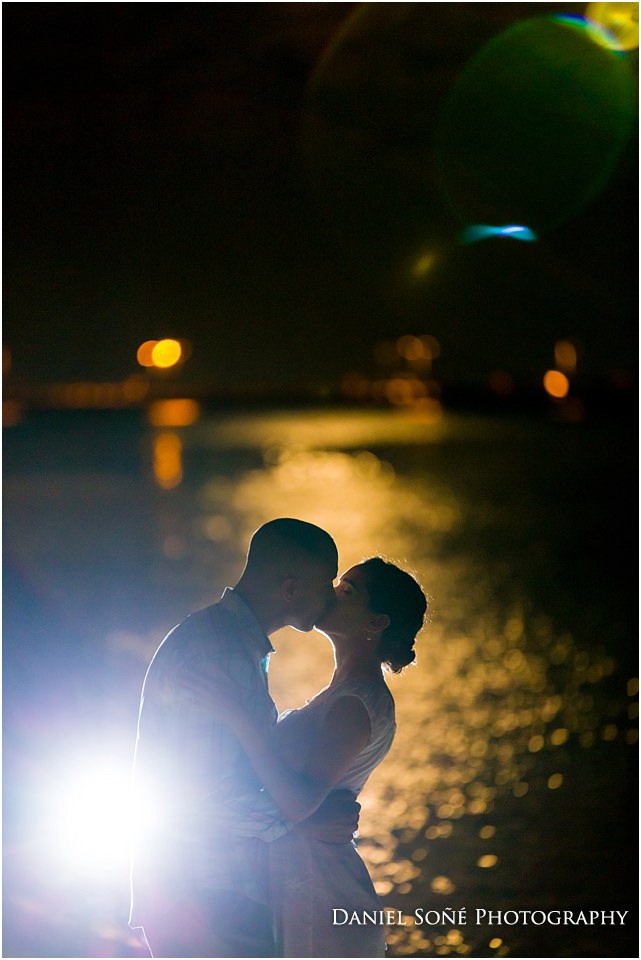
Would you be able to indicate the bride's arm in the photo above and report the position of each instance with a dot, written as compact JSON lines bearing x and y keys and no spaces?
{"x":298,"y":794}
{"x":344,"y":733}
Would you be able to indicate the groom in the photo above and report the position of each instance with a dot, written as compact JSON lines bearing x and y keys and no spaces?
{"x":199,"y":876}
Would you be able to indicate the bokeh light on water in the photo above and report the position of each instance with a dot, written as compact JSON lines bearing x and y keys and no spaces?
{"x":521,"y":707}
{"x":485,"y":698}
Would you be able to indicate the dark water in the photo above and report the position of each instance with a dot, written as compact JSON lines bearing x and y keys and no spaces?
{"x":511,"y":785}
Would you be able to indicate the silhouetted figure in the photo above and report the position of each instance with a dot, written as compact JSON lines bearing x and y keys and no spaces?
{"x":333,"y":742}
{"x":203,"y":823}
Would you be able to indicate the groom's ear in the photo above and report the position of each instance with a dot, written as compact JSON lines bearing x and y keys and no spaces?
{"x":288,"y":588}
{"x":378,"y":623}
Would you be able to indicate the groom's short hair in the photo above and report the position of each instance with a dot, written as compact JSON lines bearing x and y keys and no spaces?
{"x":286,"y":539}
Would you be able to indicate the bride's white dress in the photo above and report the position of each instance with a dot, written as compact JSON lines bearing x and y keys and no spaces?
{"x":310,"y":879}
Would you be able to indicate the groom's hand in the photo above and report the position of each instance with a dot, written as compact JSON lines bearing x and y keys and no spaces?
{"x":335,"y":821}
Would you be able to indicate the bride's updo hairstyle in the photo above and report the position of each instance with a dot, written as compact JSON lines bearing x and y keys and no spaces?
{"x":393,"y":591}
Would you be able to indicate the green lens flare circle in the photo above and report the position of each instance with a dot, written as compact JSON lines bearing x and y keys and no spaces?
{"x":535,"y":125}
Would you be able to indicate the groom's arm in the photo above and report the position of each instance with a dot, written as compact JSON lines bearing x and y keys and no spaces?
{"x":256,"y":815}
{"x":251,"y":815}
{"x":335,"y":821}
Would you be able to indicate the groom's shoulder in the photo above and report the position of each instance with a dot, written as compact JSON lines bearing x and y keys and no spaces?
{"x":208,"y":630}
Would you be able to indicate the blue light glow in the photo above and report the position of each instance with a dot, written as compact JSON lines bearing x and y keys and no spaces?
{"x":597,"y":32}
{"x":482,"y":231}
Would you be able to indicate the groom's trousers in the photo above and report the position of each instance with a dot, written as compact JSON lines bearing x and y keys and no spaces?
{"x":215,"y":923}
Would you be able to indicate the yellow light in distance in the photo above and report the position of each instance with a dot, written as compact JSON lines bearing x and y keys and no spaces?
{"x":619,"y":19}
{"x":166,"y":353}
{"x":556,"y":384}
{"x":423,"y":264}
{"x":559,"y":737}
{"x":398,"y":391}
{"x":173,"y":413}
{"x":565,"y":355}
{"x":487,"y":860}
{"x":536,"y":743}
{"x":431,"y":346}
{"x":409,"y":347}
{"x":555,"y":781}
{"x":144,"y":355}
{"x":495,"y":943}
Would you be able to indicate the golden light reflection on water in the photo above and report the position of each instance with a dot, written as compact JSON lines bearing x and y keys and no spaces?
{"x":167,"y":459}
{"x":484,"y":707}
{"x":286,"y":431}
{"x":173,"y":413}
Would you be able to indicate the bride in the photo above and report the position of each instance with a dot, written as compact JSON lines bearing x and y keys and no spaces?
{"x":334,"y":742}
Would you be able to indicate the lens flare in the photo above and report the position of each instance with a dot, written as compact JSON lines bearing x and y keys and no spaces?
{"x":482,"y":231}
{"x":595,"y":31}
{"x":90,"y":819}
{"x":620,"y":22}
{"x":534,"y":126}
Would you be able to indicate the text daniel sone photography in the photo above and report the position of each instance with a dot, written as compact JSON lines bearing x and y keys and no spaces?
{"x":479,"y":916}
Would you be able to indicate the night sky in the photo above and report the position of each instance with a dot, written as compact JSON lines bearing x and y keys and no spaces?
{"x":250,"y":178}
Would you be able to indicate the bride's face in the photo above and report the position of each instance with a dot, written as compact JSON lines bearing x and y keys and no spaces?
{"x":351,"y":614}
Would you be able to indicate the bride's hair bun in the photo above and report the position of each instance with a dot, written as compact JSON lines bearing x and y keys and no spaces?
{"x":396,"y":593}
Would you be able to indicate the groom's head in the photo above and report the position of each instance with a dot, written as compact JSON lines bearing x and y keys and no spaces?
{"x":290,"y":571}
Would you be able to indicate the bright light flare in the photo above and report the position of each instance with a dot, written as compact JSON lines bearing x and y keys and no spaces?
{"x":482,"y":231}
{"x":90,"y":819}
{"x":620,"y":22}
{"x":597,"y":33}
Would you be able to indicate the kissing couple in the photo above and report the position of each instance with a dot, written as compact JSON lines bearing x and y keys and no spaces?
{"x":244,"y":821}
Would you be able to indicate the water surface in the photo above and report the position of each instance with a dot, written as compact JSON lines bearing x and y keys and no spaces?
{"x":508,"y":784}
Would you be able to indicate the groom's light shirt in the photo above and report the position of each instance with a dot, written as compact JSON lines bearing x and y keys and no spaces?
{"x":203,"y":817}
